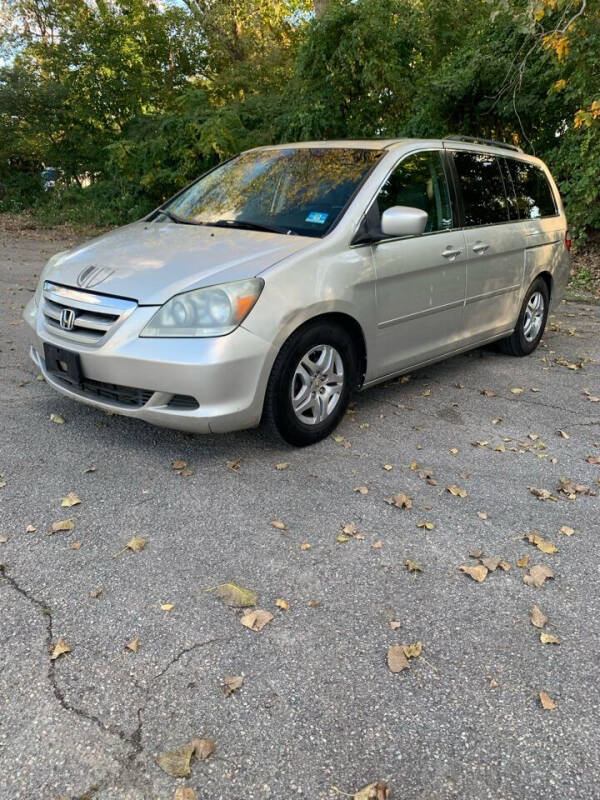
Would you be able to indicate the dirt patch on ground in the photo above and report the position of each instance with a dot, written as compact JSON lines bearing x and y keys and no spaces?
{"x":585,"y":267}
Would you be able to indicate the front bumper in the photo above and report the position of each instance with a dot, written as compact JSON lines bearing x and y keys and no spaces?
{"x":226,"y":376}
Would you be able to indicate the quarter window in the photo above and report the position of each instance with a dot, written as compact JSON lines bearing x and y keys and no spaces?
{"x":534,"y":196}
{"x":482,"y":188}
{"x":419,"y":181}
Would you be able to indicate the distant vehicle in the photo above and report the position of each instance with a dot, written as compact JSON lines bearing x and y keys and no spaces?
{"x":49,"y":177}
{"x":291,"y":275}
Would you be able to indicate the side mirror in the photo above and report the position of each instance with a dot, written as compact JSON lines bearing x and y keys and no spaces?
{"x":403,"y":221}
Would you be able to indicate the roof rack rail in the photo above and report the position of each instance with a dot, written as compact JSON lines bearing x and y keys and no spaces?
{"x":479,"y":140}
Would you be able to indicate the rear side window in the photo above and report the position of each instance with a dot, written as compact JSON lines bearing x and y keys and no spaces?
{"x":534,"y":196}
{"x":419,"y":181}
{"x":482,"y":188}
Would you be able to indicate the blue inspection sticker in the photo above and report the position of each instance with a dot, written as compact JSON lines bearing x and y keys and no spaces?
{"x":317,"y":216}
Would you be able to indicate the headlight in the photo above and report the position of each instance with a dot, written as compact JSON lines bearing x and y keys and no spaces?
{"x":214,"y":311}
{"x":49,"y":264}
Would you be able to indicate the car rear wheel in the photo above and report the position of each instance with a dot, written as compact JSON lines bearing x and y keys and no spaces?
{"x":310,"y":383}
{"x":531,"y":323}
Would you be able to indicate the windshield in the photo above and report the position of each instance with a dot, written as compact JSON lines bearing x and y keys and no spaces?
{"x":300,"y":191}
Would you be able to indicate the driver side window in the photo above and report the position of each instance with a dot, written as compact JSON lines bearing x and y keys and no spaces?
{"x":419,"y":181}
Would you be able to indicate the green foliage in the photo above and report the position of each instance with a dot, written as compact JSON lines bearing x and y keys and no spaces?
{"x":131,"y":99}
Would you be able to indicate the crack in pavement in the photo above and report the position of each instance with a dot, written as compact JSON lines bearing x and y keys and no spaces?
{"x":189,"y":649}
{"x":133,"y":740}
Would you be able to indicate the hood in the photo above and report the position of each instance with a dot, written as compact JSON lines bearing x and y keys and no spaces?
{"x":150,"y":262}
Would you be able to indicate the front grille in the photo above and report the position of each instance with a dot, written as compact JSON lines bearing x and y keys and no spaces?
{"x":123,"y":395}
{"x":93,"y":315}
{"x":112,"y":392}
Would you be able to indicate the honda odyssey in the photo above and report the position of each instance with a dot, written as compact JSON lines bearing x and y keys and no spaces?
{"x":285,"y":278}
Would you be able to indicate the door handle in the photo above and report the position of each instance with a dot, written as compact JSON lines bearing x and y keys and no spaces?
{"x":451,"y":253}
{"x":480,"y":248}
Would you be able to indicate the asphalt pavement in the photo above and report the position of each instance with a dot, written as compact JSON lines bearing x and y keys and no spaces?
{"x":319,"y":707}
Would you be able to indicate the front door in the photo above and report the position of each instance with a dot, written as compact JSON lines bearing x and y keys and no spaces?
{"x":420,"y":287}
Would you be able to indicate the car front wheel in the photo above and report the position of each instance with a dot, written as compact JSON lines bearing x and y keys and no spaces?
{"x":311,"y":382}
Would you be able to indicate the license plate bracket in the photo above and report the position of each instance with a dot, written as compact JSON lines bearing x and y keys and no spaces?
{"x":63,"y":363}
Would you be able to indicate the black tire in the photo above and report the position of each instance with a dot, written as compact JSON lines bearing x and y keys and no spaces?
{"x":279,"y":411}
{"x":517,"y":344}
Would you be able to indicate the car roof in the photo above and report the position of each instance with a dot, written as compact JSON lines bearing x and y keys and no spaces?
{"x":394,"y":144}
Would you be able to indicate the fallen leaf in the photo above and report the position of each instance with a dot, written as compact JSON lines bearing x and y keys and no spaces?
{"x":76,"y":545}
{"x":454,"y":450}
{"x":374,"y":791}
{"x":62,"y":525}
{"x":429,"y":526}
{"x":412,"y":566}
{"x":593,"y":459}
{"x":475,"y":552}
{"x":282,"y":465}
{"x":377,"y":545}
{"x":167,"y":607}
{"x":232,"y":683}
{"x":399,"y":500}
{"x":542,"y":544}
{"x":277,"y":523}
{"x":305,"y":546}
{"x":70,"y":500}
{"x":482,"y":514}
{"x":478,"y":573}
{"x":59,"y":649}
{"x":567,"y":530}
{"x":350,"y":529}
{"x":414,"y":466}
{"x":480,"y":443}
{"x":394,"y":624}
{"x":396,"y":658}
{"x":538,"y":618}
{"x":30,"y":529}
{"x":89,"y":469}
{"x":236,"y":596}
{"x":57,"y":418}
{"x":413,"y":650}
{"x":361,"y":489}
{"x":203,"y":748}
{"x":548,"y":638}
{"x":537,"y":575}
{"x":185,"y":793}
{"x":387,"y":467}
{"x":572,"y":488}
{"x":491,"y":562}
{"x":523,"y":562}
{"x":176,"y":762}
{"x":341,"y":539}
{"x":547,"y":702}
{"x":516,"y":390}
{"x":134,"y":645}
{"x":494,"y":683}
{"x":282,"y":604}
{"x":234,"y":464}
{"x":136,"y":544}
{"x":487,"y":393}
{"x":179,"y":463}
{"x":563,"y":434}
{"x":95,"y":593}
{"x":541,"y":494}
{"x":456,"y":491}
{"x":3,"y":539}
{"x":256,"y":620}
{"x":313,"y":603}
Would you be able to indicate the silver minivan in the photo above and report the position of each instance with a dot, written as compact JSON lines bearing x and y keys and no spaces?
{"x":285,"y":278}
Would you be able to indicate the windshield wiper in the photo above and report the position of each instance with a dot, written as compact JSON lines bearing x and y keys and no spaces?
{"x":250,"y":226}
{"x":177,"y":219}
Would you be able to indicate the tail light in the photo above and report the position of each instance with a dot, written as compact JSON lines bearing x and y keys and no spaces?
{"x":568,"y":240}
